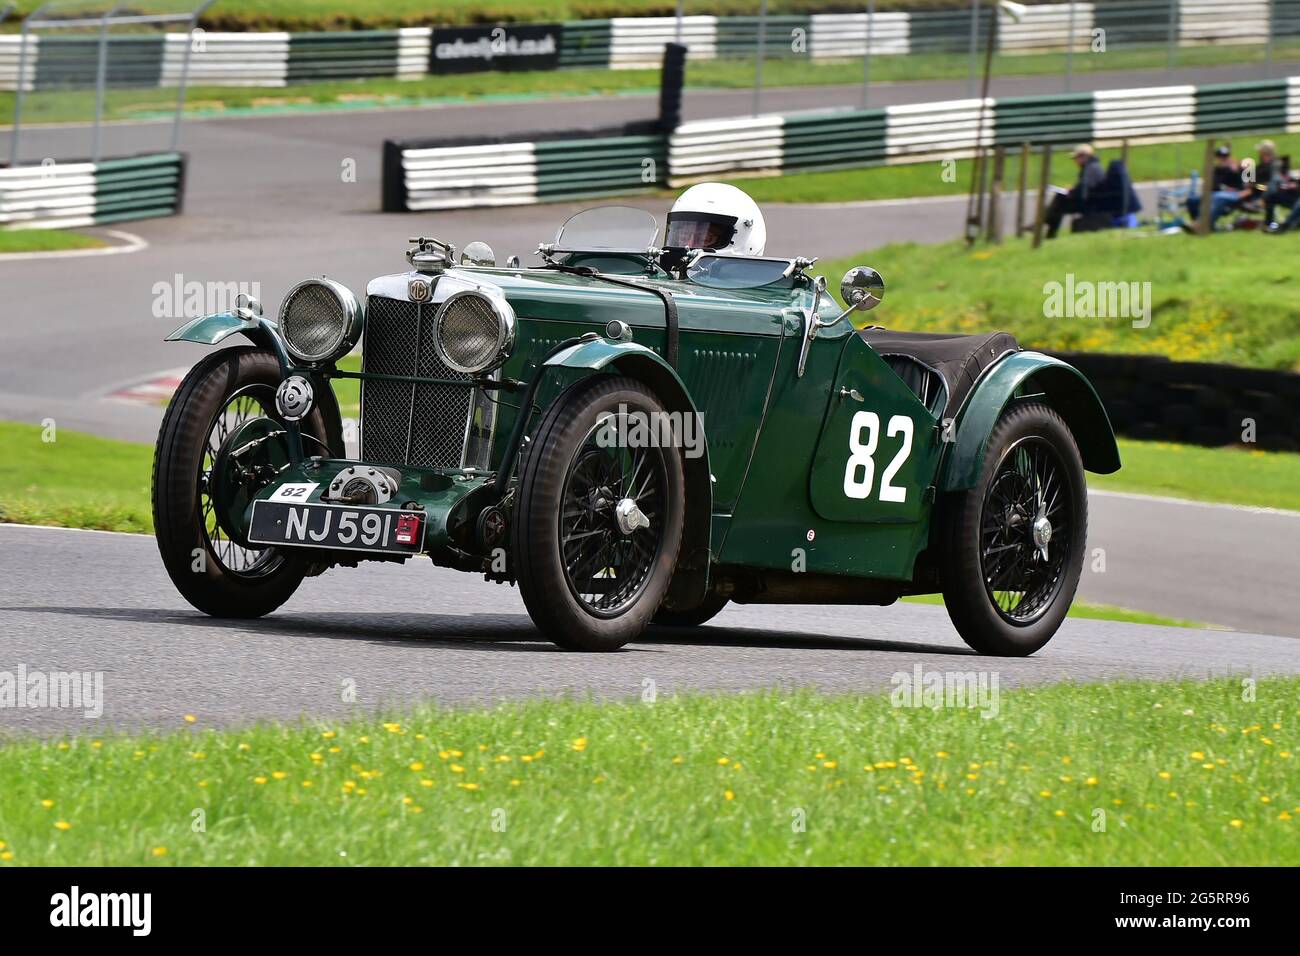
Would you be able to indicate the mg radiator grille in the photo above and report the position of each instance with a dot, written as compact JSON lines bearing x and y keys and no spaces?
{"x":404,"y":423}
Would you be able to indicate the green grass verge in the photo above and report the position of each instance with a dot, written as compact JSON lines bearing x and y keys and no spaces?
{"x":76,"y":480}
{"x":1226,"y":475}
{"x":1106,"y":774}
{"x":1226,"y":298}
{"x":72,"y":106}
{"x":45,"y":240}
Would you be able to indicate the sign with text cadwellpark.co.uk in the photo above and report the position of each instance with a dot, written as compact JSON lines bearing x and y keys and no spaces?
{"x":523,"y":46}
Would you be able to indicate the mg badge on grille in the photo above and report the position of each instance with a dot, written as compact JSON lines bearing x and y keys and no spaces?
{"x":418,"y":290}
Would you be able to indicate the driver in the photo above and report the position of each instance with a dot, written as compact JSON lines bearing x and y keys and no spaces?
{"x":716,"y":217}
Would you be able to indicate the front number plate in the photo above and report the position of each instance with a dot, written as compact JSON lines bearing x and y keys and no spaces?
{"x":334,"y":527}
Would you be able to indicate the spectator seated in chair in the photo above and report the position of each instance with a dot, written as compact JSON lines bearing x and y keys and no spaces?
{"x":1075,"y":199}
{"x":1112,"y":204}
{"x":1229,"y":188}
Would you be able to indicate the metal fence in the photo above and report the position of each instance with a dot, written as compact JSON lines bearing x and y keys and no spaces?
{"x":1083,"y":33}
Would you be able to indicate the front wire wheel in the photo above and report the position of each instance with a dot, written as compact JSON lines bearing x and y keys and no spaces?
{"x":214,"y":574}
{"x":598,"y":518}
{"x":611,"y":523}
{"x":1012,"y":546}
{"x":249,"y":402}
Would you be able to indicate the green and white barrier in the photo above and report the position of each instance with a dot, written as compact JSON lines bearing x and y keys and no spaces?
{"x":71,"y":195}
{"x":278,"y":59}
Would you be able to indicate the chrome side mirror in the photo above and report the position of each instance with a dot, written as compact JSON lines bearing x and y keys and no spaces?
{"x":862,"y":289}
{"x":478,"y":254}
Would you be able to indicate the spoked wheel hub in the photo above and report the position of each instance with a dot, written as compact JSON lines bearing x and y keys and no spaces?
{"x":610,"y":527}
{"x":1025,"y":532}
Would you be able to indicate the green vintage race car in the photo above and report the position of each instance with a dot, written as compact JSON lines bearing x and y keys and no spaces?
{"x":631,"y":435}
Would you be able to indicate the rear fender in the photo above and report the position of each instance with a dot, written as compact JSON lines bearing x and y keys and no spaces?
{"x":691,"y":579}
{"x":1021,"y":374}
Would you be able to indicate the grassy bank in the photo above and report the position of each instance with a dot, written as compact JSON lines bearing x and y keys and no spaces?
{"x":1108,"y":774}
{"x":1164,"y":161}
{"x":1218,"y":299}
{"x":45,"y":240}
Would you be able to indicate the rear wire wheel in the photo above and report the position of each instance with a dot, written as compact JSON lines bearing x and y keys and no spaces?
{"x":598,"y":518}
{"x":1015,"y":542}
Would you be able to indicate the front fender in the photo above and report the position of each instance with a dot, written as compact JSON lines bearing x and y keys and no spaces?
{"x":1062,"y":386}
{"x":691,"y":579}
{"x":217,"y":327}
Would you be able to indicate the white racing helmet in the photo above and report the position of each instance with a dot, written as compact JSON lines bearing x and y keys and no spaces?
{"x":719,"y":218}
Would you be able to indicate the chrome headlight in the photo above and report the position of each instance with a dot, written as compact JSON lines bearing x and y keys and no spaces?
{"x":320,"y":321}
{"x":473,"y":333}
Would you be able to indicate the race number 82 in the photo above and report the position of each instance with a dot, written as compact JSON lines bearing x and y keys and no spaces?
{"x":860,"y":472}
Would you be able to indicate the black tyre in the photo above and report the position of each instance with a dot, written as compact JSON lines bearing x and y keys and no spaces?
{"x":217,"y":575}
{"x":702,"y":613}
{"x":1015,"y":542}
{"x":591,"y":577}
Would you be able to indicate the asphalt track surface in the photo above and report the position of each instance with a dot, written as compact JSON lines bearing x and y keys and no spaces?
{"x":266,"y":204}
{"x":404,"y":634}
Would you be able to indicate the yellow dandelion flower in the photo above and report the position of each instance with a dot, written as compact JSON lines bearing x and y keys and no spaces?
{"x":335,"y":750}
{"x":244,"y":746}
{"x":1044,"y":793}
{"x":199,"y":755}
{"x":468,"y":786}
{"x":942,"y":755}
{"x":416,"y":766}
{"x":1091,"y":781}
{"x":1284,"y":815}
{"x":1265,"y":800}
{"x":514,"y":783}
{"x":417,"y":809}
{"x":830,"y":764}
{"x":580,"y":744}
{"x":7,"y":855}
{"x":970,"y":791}
{"x":1059,"y":813}
{"x":457,"y":768}
{"x":328,"y":734}
{"x":159,"y":851}
{"x":408,"y":800}
{"x":727,"y":794}
{"x":1198,"y":755}
{"x":62,"y":825}
{"x":307,"y":783}
{"x":259,"y":780}
{"x":455,"y":753}
{"x":675,"y":759}
{"x":1236,"y":824}
{"x":47,"y":804}
{"x":278,"y":774}
{"x":190,"y":718}
{"x":723,"y":761}
{"x":1207,"y":766}
{"x":316,"y":757}
{"x":393,"y":728}
{"x":426,"y":782}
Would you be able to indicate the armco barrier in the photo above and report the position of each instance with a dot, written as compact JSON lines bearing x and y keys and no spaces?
{"x":276,"y":59}
{"x":1151,"y":397}
{"x":952,"y":129}
{"x":68,"y":195}
{"x":456,"y":174}
{"x":442,"y":174}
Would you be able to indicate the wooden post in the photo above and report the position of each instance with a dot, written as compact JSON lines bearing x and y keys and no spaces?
{"x":1203,"y":223}
{"x":982,"y":205}
{"x":995,"y":194}
{"x":1043,"y":183}
{"x":1024,"y":188}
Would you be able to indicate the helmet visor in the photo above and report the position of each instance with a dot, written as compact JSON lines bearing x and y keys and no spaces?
{"x":694,"y":230}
